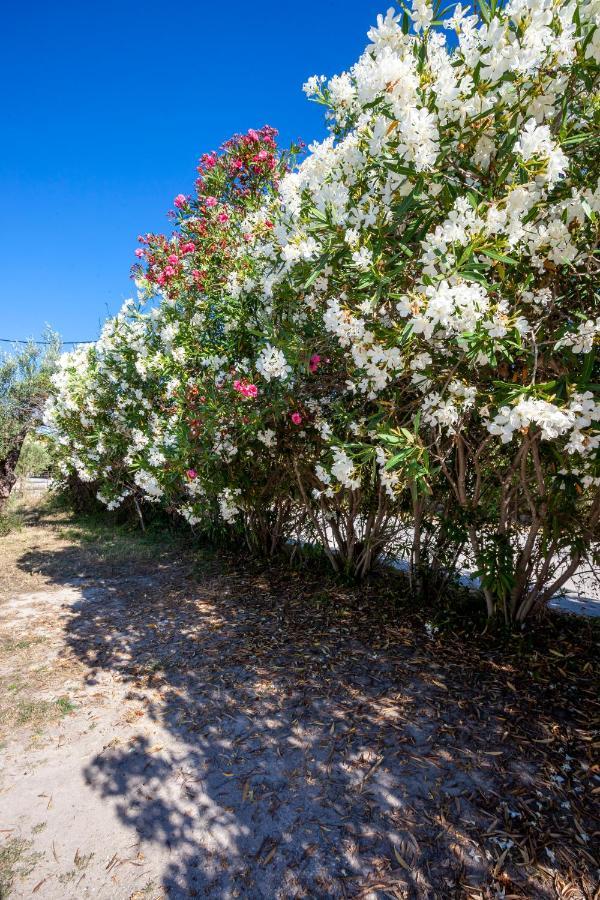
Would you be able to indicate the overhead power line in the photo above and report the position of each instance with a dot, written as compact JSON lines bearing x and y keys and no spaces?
{"x":18,"y":341}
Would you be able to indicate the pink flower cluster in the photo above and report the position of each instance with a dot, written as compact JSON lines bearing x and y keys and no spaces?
{"x":263,"y":159}
{"x":208,"y":160}
{"x":245,"y":388}
{"x":242,"y":168}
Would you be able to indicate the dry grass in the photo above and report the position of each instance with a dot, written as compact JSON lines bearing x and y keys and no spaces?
{"x":32,"y":670}
{"x":16,"y":861}
{"x":21,"y":707}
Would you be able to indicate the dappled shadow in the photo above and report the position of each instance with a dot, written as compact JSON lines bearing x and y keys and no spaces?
{"x":318,"y":748}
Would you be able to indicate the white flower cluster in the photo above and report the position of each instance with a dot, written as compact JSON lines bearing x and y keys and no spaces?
{"x":342,"y":469}
{"x":552,"y":420}
{"x":267,"y":437}
{"x":149,"y":485}
{"x":445,"y":412}
{"x":112,"y":503}
{"x":582,"y":340}
{"x":390,"y":481}
{"x":228,"y":506}
{"x":272,"y":364}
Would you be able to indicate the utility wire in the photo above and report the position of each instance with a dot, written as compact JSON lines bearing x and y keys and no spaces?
{"x":17,"y":341}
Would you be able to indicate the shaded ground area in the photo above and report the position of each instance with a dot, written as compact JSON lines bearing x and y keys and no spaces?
{"x":208,"y":729}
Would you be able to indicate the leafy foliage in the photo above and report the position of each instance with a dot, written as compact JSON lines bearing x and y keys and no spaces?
{"x":392,"y":345}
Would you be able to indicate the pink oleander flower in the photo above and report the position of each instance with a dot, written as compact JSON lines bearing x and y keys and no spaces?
{"x":139,"y":252}
{"x":191,"y":474}
{"x":173,"y":259}
{"x":223,"y":217}
{"x":245,"y":389}
{"x":180,"y":201}
{"x":197,"y":276}
{"x":315,"y":362}
{"x":187,"y":247}
{"x":296,"y":418}
{"x":209,"y":160}
{"x":211,"y":201}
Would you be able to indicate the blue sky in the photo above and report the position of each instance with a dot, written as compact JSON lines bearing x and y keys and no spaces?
{"x":107,"y":108}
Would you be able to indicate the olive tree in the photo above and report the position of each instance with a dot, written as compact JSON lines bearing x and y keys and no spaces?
{"x":24,"y":386}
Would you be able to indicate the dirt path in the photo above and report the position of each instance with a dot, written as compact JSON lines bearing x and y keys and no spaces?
{"x":255,"y":735}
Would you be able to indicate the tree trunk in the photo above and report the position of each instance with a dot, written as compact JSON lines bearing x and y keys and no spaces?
{"x":8,"y":465}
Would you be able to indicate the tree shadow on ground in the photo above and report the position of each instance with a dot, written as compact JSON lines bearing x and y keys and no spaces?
{"x":321,"y":748}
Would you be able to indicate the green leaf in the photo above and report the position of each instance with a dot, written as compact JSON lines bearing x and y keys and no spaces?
{"x":500,"y":257}
{"x":393,"y":462}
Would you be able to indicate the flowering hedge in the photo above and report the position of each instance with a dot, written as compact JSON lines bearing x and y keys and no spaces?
{"x":391,"y":346}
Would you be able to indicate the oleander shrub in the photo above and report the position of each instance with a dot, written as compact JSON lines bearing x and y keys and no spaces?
{"x":444,"y":236}
{"x":163,"y":409}
{"x":390,"y":347}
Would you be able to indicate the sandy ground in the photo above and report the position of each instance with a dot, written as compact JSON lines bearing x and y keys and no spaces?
{"x":171,"y":731}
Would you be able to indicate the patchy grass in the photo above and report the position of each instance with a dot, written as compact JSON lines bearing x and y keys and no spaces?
{"x":70,"y":545}
{"x":16,"y":861}
{"x":82,"y":862}
{"x":23,"y":509}
{"x":118,"y":544}
{"x":11,"y":518}
{"x":19,"y":708}
{"x":80,"y":865}
{"x":148,"y":890}
{"x":7,"y":524}
{"x":65,"y":706}
{"x":15,"y":646}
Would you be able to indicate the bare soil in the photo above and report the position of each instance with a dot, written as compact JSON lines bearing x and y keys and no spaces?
{"x":175,"y":723}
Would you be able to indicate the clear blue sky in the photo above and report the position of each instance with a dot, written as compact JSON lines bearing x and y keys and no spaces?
{"x":107,"y":107}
